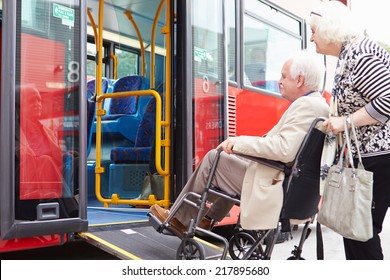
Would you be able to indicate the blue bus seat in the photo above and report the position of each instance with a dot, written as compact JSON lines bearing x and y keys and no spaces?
{"x":144,"y":139}
{"x":119,"y":125}
{"x":124,"y":114}
{"x":91,"y":107}
{"x":128,"y":105}
{"x":130,"y":164}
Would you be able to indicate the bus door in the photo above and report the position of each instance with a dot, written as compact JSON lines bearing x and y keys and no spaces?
{"x":43,"y":142}
{"x":130,"y":136}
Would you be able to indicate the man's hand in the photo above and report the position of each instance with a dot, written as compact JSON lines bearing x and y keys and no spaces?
{"x":227,"y":145}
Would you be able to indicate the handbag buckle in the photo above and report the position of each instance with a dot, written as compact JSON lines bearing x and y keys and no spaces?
{"x":335,"y":177}
{"x":353,"y":182}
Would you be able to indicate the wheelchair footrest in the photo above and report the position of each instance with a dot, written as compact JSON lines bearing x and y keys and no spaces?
{"x":158,"y":226}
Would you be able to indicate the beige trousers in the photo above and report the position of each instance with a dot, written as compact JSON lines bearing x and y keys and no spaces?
{"x":228,"y":177}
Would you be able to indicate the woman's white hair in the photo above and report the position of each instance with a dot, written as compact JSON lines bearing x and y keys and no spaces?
{"x":334,"y":23}
{"x":310,"y":66}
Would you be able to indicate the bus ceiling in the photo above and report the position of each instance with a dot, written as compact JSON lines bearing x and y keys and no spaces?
{"x":121,"y":30}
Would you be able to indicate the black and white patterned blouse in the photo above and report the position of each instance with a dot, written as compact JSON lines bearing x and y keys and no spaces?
{"x":363,"y":80}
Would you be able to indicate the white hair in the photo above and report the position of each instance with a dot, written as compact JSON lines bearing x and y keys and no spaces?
{"x":334,"y":22}
{"x":310,"y":66}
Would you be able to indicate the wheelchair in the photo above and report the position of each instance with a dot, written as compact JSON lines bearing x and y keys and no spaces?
{"x":300,"y":202}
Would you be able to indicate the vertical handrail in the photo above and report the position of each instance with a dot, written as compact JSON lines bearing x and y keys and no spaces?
{"x":153,"y":45}
{"x":166,"y":123}
{"x":115,"y":64}
{"x":141,"y":42}
{"x":99,"y":111}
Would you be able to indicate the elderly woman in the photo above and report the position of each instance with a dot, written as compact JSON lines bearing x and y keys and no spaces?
{"x":362,"y":90}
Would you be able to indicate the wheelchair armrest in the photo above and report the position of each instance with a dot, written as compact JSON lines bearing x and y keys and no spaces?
{"x":268,"y":162}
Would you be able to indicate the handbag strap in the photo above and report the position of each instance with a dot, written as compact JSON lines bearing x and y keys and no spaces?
{"x":348,"y":133}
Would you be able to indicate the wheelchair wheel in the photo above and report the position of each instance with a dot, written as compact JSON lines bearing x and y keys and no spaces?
{"x":240,"y":244}
{"x":190,"y":249}
{"x":292,"y":258}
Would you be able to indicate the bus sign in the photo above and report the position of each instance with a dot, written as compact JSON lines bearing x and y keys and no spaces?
{"x":64,"y":13}
{"x":200,"y":54}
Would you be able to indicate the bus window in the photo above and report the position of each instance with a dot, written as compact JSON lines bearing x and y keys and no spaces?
{"x":91,"y":60}
{"x":127,"y":62}
{"x":230,"y":14}
{"x":265,"y":44}
{"x":208,"y":74}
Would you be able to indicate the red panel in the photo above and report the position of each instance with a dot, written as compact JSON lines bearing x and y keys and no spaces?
{"x":256,"y":113}
{"x":31,"y":243}
{"x":208,"y":120}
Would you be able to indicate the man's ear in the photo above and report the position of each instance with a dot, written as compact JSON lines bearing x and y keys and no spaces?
{"x":300,"y":81}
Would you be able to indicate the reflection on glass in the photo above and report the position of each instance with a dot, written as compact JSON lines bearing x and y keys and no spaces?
{"x":47,"y":98}
{"x":231,"y":38}
{"x":265,"y":50}
{"x":40,"y":150}
{"x":208,"y":71}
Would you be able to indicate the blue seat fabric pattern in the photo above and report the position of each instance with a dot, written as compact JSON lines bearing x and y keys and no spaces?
{"x":141,"y":151}
{"x":91,"y":106}
{"x":128,"y":105}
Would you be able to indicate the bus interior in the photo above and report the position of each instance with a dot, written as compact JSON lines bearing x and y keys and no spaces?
{"x":134,"y":93}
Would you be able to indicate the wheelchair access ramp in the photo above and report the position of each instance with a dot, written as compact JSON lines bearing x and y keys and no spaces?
{"x":131,"y":237}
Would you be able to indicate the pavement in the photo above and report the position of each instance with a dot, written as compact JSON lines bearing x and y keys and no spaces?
{"x":333,"y":244}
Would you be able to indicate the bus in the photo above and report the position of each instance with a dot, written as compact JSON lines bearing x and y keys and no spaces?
{"x":108,"y":106}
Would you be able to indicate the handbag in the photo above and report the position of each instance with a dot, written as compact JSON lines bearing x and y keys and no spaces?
{"x":347,"y":197}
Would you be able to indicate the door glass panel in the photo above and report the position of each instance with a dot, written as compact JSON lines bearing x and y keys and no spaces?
{"x":208,"y":95}
{"x":266,"y":33}
{"x":47,"y":112}
{"x":230,"y":6}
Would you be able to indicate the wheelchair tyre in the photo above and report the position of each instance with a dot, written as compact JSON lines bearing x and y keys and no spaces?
{"x":190,"y":249}
{"x":292,"y":258}
{"x":240,"y":244}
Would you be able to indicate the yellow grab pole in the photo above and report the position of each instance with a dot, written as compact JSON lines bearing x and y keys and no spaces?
{"x":89,"y":13}
{"x":99,"y":112}
{"x":141,"y":42}
{"x":115,"y":60}
{"x":153,"y":45}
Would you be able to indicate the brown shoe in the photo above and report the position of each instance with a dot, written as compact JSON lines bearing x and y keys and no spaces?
{"x":162,"y":214}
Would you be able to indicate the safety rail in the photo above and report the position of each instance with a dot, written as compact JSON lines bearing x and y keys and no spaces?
{"x":159,"y":143}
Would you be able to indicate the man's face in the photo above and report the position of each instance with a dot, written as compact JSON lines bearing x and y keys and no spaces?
{"x":287,"y":85}
{"x":32,"y":103}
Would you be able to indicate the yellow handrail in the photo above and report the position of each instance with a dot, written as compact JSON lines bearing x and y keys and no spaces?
{"x":115,"y":63}
{"x":115,"y":199}
{"x":165,"y":143}
{"x":89,"y":13}
{"x":99,"y":111}
{"x":141,"y":42}
{"x":153,"y":45}
{"x":167,"y":122}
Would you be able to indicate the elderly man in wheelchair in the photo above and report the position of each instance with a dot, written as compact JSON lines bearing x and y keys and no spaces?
{"x":256,"y":186}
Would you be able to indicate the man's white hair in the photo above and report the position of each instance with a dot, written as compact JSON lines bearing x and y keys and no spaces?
{"x":310,"y":66}
{"x":334,"y":23}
